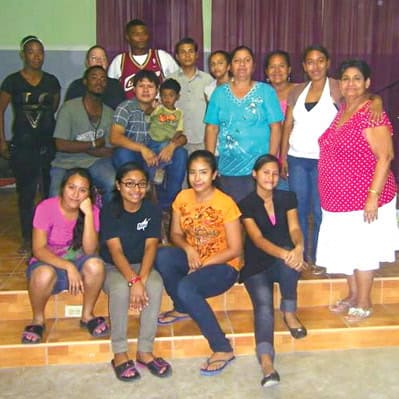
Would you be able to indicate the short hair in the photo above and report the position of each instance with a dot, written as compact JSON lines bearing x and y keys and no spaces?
{"x":91,"y":68}
{"x":361,"y":65}
{"x":242,"y":47}
{"x":315,"y":47}
{"x":29,"y":39}
{"x":144,"y":74}
{"x":226,"y":55}
{"x":186,"y":40}
{"x":281,"y":53}
{"x":170,"y":84}
{"x":134,"y":22}
{"x":94,"y":47}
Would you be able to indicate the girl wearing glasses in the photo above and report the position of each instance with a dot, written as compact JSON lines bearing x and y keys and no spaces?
{"x":130,"y":232}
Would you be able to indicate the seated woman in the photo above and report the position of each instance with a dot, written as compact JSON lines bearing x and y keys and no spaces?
{"x":206,"y":260}
{"x":273,"y":253}
{"x":65,"y":241}
{"x":130,"y":231}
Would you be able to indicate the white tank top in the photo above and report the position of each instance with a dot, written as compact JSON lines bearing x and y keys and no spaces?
{"x":310,"y":125}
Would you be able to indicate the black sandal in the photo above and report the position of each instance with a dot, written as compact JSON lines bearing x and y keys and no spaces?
{"x":158,"y":367}
{"x":123,"y":369}
{"x":35,"y":331}
{"x":93,"y":324}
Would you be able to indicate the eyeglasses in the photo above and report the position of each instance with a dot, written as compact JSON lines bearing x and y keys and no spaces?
{"x":133,"y":184}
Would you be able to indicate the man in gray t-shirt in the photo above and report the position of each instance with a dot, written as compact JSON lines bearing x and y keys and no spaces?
{"x":81,"y":136}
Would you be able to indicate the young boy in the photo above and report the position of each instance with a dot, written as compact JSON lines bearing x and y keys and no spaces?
{"x":129,"y":132}
{"x":140,"y":57}
{"x":192,"y":99}
{"x":166,"y":123}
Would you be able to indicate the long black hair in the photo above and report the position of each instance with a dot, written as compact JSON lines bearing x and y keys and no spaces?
{"x":78,"y":229}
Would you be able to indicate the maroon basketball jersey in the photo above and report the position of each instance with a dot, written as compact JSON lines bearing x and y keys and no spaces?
{"x":130,"y":67}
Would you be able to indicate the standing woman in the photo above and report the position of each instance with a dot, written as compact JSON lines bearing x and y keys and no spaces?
{"x":357,"y":192}
{"x":34,"y":95}
{"x":243,"y":117}
{"x":130,"y":232}
{"x":65,"y":241}
{"x":277,"y":72}
{"x":206,"y":258}
{"x":311,"y":108}
{"x":273,"y":253}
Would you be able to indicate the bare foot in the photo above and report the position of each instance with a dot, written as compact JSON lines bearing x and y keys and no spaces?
{"x":217,"y":360}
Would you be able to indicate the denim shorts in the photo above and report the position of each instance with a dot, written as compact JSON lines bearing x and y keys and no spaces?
{"x":62,"y":283}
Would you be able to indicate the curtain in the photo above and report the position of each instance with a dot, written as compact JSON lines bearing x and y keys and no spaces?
{"x":267,"y":25}
{"x":366,"y":29}
{"x":168,"y":21}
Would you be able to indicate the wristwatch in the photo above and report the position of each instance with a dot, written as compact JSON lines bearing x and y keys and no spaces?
{"x":133,"y":281}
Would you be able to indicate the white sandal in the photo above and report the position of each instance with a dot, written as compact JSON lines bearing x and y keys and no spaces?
{"x":358,"y":314}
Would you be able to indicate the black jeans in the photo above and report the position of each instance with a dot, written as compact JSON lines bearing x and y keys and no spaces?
{"x":31,"y":169}
{"x":260,"y":290}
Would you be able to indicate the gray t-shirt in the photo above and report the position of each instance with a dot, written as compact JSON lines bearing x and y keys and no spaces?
{"x":73,"y":124}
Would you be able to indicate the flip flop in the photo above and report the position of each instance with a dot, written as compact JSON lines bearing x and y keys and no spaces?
{"x":156,"y":366}
{"x":210,"y":373}
{"x":122,"y":369}
{"x":35,"y":331}
{"x":173,"y":319}
{"x":93,"y":324}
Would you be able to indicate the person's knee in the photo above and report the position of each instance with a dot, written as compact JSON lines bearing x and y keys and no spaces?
{"x":154,"y":284}
{"x":42,"y":278}
{"x":93,"y":268}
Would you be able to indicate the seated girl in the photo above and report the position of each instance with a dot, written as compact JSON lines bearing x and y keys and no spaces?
{"x":273,"y":252}
{"x":206,"y":260}
{"x":130,"y":232}
{"x":65,"y":240}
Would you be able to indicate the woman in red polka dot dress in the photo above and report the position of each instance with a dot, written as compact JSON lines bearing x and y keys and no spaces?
{"x":357,"y":193}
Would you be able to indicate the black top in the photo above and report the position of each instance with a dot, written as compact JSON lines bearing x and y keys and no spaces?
{"x":112,"y":96}
{"x":132,"y":229}
{"x":252,"y":207}
{"x":34,"y":121}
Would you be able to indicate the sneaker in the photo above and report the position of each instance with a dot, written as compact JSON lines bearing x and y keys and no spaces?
{"x":270,"y":380}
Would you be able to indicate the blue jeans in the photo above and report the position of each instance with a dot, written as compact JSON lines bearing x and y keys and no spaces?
{"x":175,"y":172}
{"x":189,"y":291}
{"x":238,"y":187}
{"x":102,"y":172}
{"x":260,"y":289}
{"x":302,"y":181}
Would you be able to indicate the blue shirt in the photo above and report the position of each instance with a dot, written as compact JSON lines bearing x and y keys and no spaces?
{"x":244,"y":132}
{"x":129,"y":115}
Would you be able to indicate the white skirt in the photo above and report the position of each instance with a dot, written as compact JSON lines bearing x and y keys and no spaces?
{"x":347,"y":243}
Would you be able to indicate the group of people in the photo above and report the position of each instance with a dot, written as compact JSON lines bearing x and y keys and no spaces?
{"x":260,"y":157}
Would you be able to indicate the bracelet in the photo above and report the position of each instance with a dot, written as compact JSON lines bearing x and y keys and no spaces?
{"x":133,"y":281}
{"x":370,"y":190}
{"x":93,"y":143}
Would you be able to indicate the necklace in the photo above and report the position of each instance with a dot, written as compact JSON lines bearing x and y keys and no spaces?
{"x":94,"y":118}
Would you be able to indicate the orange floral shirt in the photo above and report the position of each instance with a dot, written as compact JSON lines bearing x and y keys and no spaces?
{"x":203,"y":222}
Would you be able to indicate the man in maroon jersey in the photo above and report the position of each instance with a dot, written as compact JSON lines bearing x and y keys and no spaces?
{"x":125,"y":65}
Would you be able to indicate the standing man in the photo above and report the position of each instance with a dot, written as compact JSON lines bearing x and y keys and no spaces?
{"x":140,"y":57}
{"x":81,"y":136}
{"x":113,"y":94}
{"x":192,"y":97}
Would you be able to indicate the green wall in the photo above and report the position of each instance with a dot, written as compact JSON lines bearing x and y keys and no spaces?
{"x":61,"y":24}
